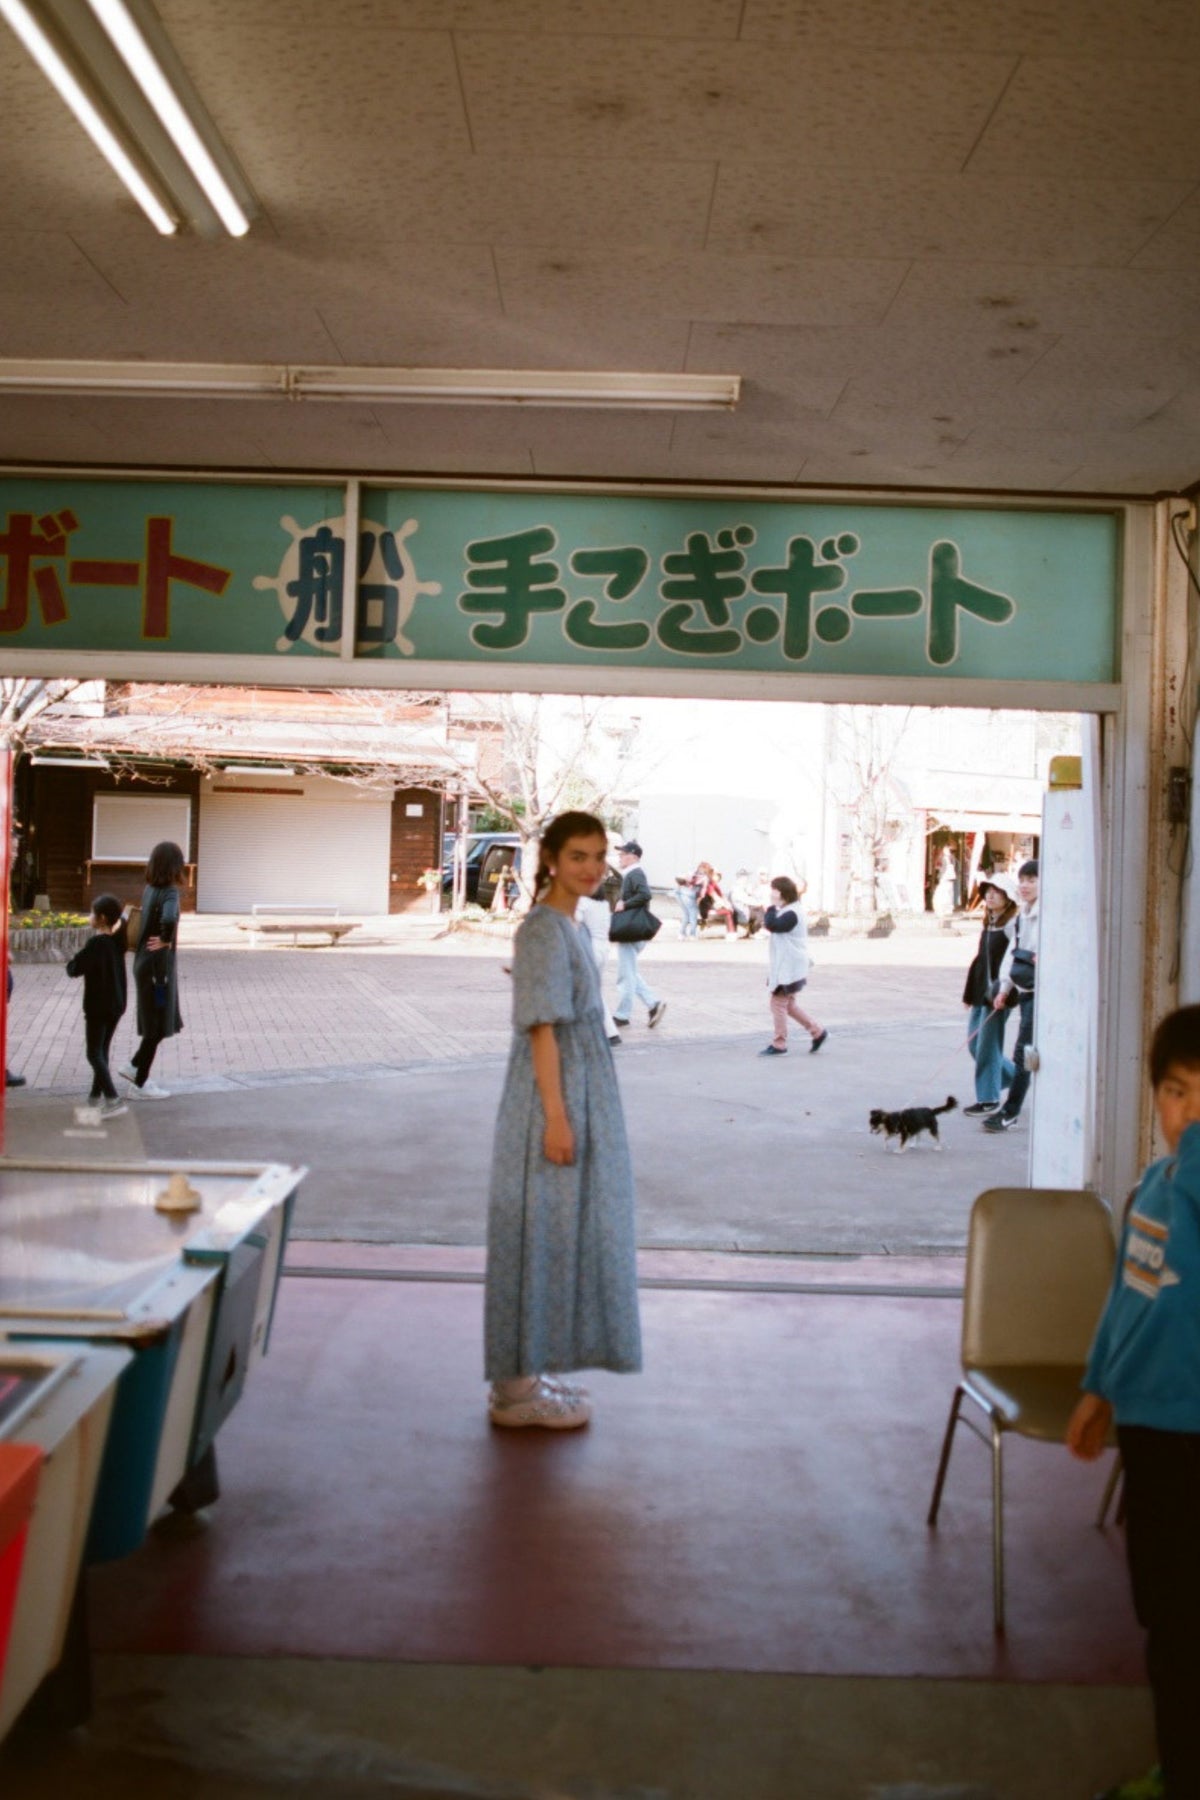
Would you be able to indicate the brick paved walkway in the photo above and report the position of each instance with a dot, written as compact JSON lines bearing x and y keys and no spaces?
{"x":379,"y":1069}
{"x":404,"y":996}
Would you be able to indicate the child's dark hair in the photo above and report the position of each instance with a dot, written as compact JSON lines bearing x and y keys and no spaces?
{"x":1029,"y":868}
{"x":107,"y":907}
{"x":165,"y":867}
{"x":1176,"y":1040}
{"x":566,"y":825}
{"x":786,"y":888}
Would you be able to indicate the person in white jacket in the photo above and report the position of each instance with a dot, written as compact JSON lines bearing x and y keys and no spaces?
{"x":593,"y":916}
{"x":787,"y":969}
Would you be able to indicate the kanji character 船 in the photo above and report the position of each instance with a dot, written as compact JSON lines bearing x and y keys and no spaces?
{"x":378,"y":628}
{"x":317,"y":589}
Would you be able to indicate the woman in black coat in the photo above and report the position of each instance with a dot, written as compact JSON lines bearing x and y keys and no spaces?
{"x":154,"y":973}
{"x":993,"y":1071}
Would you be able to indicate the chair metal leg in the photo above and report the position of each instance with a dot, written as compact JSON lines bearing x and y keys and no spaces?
{"x":944,"y":1463}
{"x":997,"y":1526}
{"x":1110,"y":1488}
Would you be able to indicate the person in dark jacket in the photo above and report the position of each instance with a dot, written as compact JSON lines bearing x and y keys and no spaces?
{"x":985,"y":1029}
{"x":154,"y":974}
{"x":101,"y":967}
{"x":635,"y":895}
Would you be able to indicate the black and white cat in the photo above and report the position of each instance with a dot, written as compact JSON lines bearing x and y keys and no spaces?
{"x":909,"y":1122}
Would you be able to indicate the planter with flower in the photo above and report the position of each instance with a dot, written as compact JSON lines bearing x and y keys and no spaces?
{"x":46,"y":936}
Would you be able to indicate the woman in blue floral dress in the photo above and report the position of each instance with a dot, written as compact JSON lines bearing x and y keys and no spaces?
{"x":562,"y":1269}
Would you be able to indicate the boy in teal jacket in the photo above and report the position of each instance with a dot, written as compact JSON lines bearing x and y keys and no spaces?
{"x":1144,"y":1372}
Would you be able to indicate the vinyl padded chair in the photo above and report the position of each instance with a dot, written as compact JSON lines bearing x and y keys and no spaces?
{"x":1039,"y":1264}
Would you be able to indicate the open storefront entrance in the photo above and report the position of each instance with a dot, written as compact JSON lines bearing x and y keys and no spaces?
{"x":636,"y":592}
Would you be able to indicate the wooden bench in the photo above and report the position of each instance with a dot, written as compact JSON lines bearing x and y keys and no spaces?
{"x":298,"y":921}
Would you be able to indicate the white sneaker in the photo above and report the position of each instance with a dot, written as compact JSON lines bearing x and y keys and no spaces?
{"x":150,"y":1090}
{"x":554,"y":1408}
{"x":127,"y":1072}
{"x":112,"y":1109}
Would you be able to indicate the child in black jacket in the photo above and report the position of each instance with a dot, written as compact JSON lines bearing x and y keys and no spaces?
{"x":101,"y":964}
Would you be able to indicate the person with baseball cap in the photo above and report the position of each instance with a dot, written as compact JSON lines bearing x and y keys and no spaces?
{"x":635,"y":894}
{"x":985,"y":1027}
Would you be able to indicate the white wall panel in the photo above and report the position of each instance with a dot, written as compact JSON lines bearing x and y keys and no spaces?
{"x":305,"y":840}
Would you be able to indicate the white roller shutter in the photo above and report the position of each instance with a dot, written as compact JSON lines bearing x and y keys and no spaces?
{"x":300,"y":841}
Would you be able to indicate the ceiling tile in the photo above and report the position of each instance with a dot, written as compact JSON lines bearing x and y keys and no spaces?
{"x":1077,"y":117}
{"x":196,"y":434}
{"x":1132,"y":463}
{"x":562,"y":443}
{"x":319,"y":435}
{"x":652,"y":18}
{"x":1000,"y":456}
{"x":893,"y":213}
{"x":647,"y":97}
{"x":419,"y":337}
{"x":1064,"y":388}
{"x":322,"y":116}
{"x":39,"y":428}
{"x":809,"y":367}
{"x":1176,"y":242}
{"x":1118,"y":28}
{"x":741,"y":290}
{"x":711,"y":460}
{"x":996,"y":297}
{"x":53,"y":178}
{"x":51,"y":267}
{"x":705,"y":19}
{"x":510,"y":200}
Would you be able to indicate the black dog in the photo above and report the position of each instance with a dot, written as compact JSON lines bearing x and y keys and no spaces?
{"x":910,"y":1122}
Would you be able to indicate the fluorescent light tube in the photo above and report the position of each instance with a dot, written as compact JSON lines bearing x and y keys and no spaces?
{"x":520,"y":387}
{"x":603,"y":388}
{"x":68,"y":762}
{"x":52,"y":65}
{"x":117,"y":20}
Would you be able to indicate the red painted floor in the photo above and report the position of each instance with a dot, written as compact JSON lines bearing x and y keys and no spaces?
{"x":755,"y":1501}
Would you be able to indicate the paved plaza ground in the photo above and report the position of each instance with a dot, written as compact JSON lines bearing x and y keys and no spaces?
{"x":379,"y":1063}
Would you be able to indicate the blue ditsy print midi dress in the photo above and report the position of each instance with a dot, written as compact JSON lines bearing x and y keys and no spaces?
{"x":561,"y":1268}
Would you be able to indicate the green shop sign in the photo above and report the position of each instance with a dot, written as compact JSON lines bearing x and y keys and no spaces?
{"x":559,"y":579}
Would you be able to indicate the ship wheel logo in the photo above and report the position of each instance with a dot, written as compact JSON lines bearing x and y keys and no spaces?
{"x":311,"y":578}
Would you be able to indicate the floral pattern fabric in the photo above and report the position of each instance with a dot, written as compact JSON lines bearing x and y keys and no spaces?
{"x":561,"y":1288}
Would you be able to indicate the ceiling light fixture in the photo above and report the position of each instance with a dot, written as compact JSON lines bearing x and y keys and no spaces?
{"x":256,"y":769}
{"x":130,"y":40}
{"x":605,"y":388}
{"x":68,"y":762}
{"x":115,"y":67}
{"x":50,"y":61}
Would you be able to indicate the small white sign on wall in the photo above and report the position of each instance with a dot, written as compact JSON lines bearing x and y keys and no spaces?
{"x":413,"y":809}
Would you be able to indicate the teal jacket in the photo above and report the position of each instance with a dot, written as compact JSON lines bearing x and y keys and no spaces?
{"x":1145,"y":1359}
